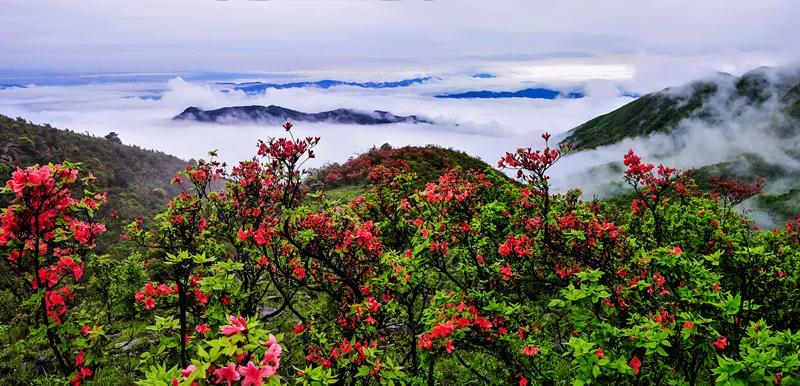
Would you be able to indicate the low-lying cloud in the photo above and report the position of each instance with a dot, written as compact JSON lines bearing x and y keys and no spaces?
{"x":730,"y":127}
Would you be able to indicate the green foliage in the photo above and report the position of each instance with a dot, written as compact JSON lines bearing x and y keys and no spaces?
{"x":454,"y":277}
{"x":128,"y":173}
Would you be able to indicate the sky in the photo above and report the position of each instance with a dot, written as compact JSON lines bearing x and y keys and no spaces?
{"x":88,"y":64}
{"x":291,"y":35}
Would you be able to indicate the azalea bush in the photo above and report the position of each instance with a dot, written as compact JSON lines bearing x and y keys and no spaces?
{"x":47,"y":234}
{"x":462,"y":277}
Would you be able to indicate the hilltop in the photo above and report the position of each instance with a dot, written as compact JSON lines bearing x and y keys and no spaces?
{"x":426,"y":162}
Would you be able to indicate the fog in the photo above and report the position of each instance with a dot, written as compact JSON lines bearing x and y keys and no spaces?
{"x":483,"y":127}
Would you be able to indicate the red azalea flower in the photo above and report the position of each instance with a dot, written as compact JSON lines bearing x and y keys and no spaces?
{"x":636,"y":365}
{"x":599,"y":353}
{"x":202,"y":329}
{"x":298,"y":328}
{"x":688,"y":325}
{"x":448,"y":345}
{"x":505,"y":270}
{"x":721,"y":343}
{"x":300,"y":272}
{"x":188,"y":370}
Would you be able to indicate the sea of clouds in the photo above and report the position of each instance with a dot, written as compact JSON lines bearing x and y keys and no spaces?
{"x":140,"y":109}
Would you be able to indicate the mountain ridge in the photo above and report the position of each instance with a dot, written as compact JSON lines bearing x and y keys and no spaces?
{"x":276,"y":114}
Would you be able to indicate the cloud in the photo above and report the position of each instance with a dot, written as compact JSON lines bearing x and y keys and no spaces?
{"x":153,"y":36}
{"x":486,"y":128}
{"x":730,"y":127}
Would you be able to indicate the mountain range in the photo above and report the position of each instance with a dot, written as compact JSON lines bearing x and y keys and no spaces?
{"x":276,"y":114}
{"x":260,"y":87}
{"x":534,"y":93}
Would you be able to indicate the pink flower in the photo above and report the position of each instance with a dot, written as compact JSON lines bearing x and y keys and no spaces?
{"x":164,"y":289}
{"x":254,"y":375}
{"x":677,"y":251}
{"x":149,"y":303}
{"x":239,"y":324}
{"x":227,"y":374}
{"x":448,"y":345}
{"x":272,"y":357}
{"x":188,"y":370}
{"x":530,"y":350}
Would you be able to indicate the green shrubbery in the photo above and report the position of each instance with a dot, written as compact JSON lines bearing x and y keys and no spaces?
{"x":467,"y":279}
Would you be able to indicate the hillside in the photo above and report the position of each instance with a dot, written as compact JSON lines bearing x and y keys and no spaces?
{"x":137,"y":180}
{"x":750,"y":126}
{"x":665,"y":110}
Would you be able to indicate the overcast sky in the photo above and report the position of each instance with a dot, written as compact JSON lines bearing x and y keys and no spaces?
{"x":414,"y":35}
{"x":602,"y":47}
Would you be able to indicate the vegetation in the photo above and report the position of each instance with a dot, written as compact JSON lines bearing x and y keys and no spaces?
{"x":137,"y":180}
{"x":428,"y":163}
{"x":652,"y":113}
{"x":466,"y":279}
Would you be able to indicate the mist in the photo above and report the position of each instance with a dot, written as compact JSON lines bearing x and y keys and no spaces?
{"x":730,"y":127}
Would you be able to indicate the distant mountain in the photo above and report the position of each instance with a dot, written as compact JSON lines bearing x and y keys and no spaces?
{"x":534,"y":93}
{"x":4,"y":86}
{"x":277,"y":114}
{"x":483,"y":75}
{"x":137,"y":180}
{"x":738,"y":127}
{"x":701,"y":100}
{"x":259,"y":87}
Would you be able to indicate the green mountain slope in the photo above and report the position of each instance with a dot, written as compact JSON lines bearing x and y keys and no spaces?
{"x":756,"y":115}
{"x":137,"y":180}
{"x":663,"y":111}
